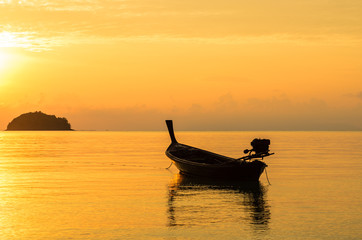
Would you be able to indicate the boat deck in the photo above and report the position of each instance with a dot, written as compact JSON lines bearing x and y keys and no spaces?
{"x":197,"y":155}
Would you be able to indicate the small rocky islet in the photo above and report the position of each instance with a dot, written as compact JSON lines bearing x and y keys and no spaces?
{"x":37,"y":121}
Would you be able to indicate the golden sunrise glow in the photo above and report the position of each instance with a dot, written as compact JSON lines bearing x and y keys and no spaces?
{"x":7,"y":40}
{"x":5,"y":63}
{"x":11,"y":65}
{"x":118,"y":62}
{"x":3,"y":59}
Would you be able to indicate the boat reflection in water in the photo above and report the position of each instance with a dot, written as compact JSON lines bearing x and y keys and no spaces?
{"x":194,"y":201}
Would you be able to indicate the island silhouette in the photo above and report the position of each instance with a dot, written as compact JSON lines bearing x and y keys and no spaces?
{"x":36,"y":121}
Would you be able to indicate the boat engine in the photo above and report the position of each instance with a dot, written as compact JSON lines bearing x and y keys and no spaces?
{"x":259,"y":146}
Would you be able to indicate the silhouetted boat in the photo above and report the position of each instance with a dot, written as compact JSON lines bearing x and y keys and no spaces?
{"x":198,"y":162}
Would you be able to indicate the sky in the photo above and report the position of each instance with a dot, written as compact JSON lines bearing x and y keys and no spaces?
{"x":208,"y":65}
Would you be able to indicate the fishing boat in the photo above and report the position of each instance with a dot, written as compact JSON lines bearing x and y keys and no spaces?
{"x":198,"y":162}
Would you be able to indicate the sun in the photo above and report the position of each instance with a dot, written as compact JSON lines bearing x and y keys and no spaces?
{"x":4,"y":60}
{"x":6,"y":65}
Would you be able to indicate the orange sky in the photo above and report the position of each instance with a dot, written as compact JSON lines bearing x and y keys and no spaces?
{"x":209,"y":65}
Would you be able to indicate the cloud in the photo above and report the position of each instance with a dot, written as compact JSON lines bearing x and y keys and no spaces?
{"x":354,"y":95}
{"x":278,"y":113}
{"x":82,"y":33}
{"x":359,"y":95}
{"x":64,"y":5}
{"x":255,"y":114}
{"x":50,"y":40}
{"x":226,"y":103}
{"x":42,"y":25}
{"x":32,"y":41}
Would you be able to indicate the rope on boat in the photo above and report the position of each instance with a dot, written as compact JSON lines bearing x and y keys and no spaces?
{"x":170,"y":165}
{"x":266,"y":174}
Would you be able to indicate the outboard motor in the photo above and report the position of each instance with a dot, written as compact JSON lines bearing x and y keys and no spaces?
{"x":259,"y":146}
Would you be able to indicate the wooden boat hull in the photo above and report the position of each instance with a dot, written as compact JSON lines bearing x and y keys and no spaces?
{"x":251,"y":172}
{"x":225,"y":168}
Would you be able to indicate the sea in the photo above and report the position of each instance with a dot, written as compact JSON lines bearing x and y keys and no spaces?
{"x":115,"y":185}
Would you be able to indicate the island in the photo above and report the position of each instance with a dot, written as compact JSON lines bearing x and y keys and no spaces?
{"x":36,"y":121}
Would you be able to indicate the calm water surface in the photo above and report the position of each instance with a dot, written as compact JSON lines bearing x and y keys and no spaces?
{"x":114,"y":185}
